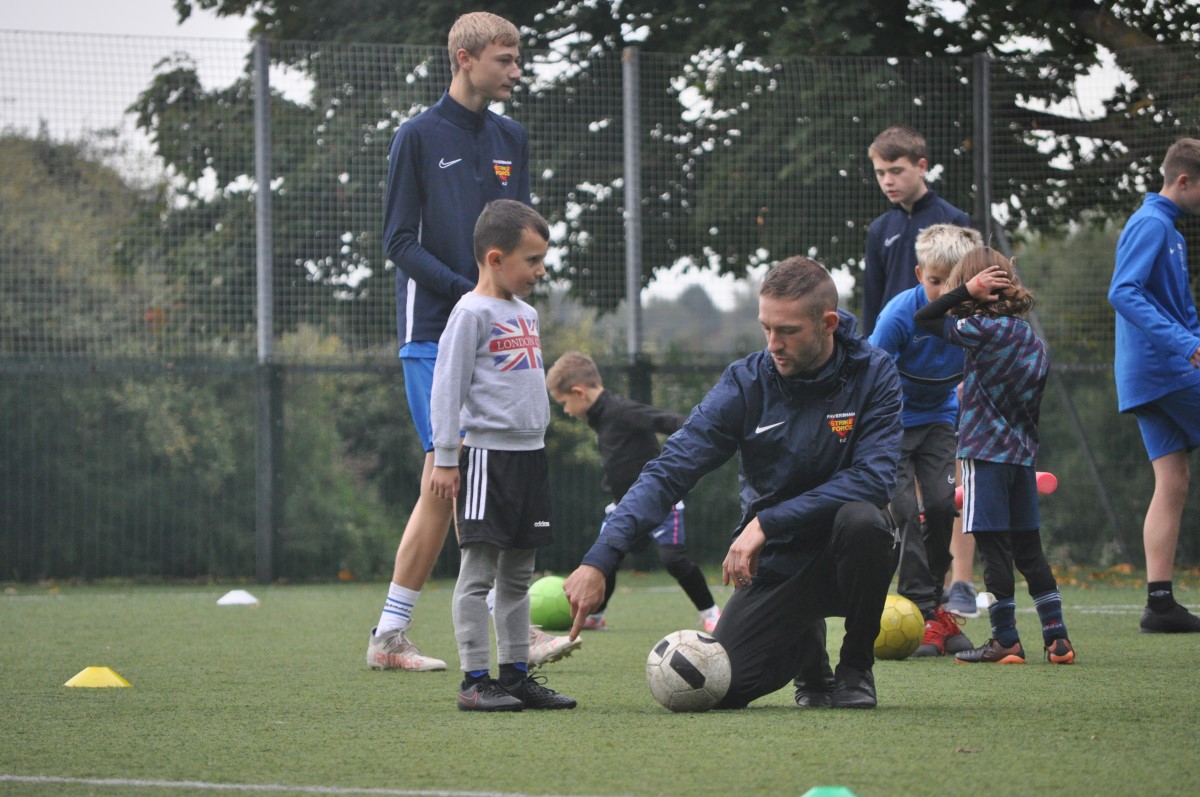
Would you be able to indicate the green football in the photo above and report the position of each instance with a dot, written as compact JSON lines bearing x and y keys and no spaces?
{"x":548,"y":605}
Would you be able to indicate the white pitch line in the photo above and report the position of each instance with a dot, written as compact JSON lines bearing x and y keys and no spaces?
{"x":1070,"y":608}
{"x":272,"y":788}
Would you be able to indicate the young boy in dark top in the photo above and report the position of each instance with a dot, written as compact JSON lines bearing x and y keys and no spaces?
{"x":626,"y":432}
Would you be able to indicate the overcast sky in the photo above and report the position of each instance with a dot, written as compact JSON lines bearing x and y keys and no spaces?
{"x":132,"y":17}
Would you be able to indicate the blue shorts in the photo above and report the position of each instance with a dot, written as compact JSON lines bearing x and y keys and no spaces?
{"x":1170,"y":423}
{"x":418,"y":359}
{"x":999,"y":497}
{"x":669,"y":532}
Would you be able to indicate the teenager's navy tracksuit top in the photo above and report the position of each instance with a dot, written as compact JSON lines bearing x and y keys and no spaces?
{"x":445,"y":164}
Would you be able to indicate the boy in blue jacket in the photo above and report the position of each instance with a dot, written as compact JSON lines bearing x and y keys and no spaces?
{"x":815,"y":419}
{"x":930,"y":370}
{"x":1157,"y":366}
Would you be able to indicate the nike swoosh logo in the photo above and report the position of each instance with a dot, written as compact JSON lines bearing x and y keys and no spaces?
{"x":445,"y":164}
{"x":919,"y":338}
{"x":886,"y":241}
{"x":762,"y":429}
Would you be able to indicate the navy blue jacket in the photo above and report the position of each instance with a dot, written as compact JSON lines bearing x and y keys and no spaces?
{"x":807,"y":447}
{"x":445,"y":164}
{"x":891,"y":260}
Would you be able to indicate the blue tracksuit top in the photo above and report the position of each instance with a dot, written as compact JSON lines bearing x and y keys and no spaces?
{"x":930,"y":368}
{"x":807,"y":447}
{"x":1157,"y":329}
{"x":445,"y":164}
{"x":891,"y":257}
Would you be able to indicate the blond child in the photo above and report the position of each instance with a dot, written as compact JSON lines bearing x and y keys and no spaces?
{"x":930,"y":370}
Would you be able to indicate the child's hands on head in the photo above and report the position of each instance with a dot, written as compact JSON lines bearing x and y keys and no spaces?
{"x":987,"y":285}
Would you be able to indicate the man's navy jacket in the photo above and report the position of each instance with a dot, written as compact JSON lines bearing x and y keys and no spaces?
{"x":807,"y":446}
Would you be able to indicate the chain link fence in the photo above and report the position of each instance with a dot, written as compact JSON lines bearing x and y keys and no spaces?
{"x":128,"y":268}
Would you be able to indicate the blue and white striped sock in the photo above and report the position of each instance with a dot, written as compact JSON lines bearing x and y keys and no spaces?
{"x":397,"y":609}
{"x":1049,"y":609}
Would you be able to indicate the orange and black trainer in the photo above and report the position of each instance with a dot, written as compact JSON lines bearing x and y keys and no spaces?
{"x":1059,"y":651}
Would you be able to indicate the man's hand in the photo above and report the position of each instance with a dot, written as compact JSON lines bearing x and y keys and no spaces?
{"x":741,"y":563}
{"x":987,"y":284}
{"x":1195,"y":358}
{"x":443,"y":483}
{"x":585,"y":591}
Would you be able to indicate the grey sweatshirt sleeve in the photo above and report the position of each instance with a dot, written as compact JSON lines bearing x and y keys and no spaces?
{"x":451,"y":378}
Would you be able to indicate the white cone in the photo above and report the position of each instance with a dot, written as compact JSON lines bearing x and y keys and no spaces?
{"x":237,"y":597}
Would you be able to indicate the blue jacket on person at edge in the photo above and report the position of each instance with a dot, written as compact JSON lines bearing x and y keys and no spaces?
{"x":808,"y":446}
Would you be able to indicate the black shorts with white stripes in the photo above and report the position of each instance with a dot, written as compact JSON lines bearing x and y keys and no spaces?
{"x":503,"y":498}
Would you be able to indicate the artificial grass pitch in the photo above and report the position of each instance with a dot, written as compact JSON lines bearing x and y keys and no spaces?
{"x":281,"y":694}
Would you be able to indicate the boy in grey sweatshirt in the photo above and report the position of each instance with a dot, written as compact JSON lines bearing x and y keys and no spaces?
{"x":489,"y":383}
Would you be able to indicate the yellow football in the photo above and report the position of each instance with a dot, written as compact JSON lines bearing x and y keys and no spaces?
{"x":900,"y":629}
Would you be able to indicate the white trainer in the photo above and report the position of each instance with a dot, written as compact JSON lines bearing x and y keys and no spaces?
{"x":394,"y":651}
{"x":545,"y":648}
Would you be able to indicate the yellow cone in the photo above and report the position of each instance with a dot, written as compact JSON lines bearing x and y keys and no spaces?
{"x":97,"y":676}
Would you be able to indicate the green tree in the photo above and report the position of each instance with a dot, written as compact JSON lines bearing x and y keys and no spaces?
{"x":112,"y":472}
{"x":207,"y":238}
{"x":64,"y":292}
{"x":740,"y":163}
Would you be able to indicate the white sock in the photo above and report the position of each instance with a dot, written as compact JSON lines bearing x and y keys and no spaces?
{"x":711,"y":613}
{"x":398,"y":609}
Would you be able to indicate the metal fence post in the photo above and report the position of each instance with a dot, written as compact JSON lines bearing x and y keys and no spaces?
{"x":982,"y":157}
{"x":268,"y":383}
{"x":632,"y":128}
{"x":981,"y":137}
